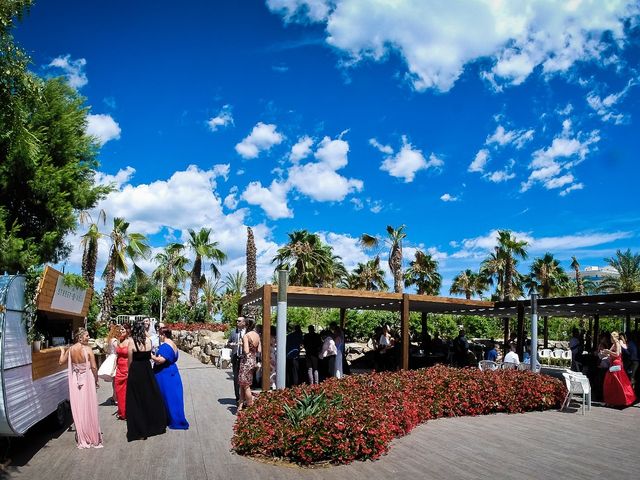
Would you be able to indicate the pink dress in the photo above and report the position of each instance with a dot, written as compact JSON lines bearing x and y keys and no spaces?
{"x":617,"y":387}
{"x":84,"y":403}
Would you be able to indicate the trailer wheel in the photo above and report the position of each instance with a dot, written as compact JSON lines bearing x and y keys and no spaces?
{"x":60,"y":416}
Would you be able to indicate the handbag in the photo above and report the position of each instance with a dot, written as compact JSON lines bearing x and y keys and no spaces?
{"x":108,"y":368}
{"x":615,"y":368}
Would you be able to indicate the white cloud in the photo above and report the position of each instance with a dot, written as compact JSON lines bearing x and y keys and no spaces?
{"x":553,"y":166}
{"x":500,"y":176}
{"x":407,"y":162}
{"x":504,"y":137}
{"x":448,"y":198}
{"x":479,"y":246}
{"x":231,"y":201}
{"x":386,"y":149}
{"x":605,"y":107}
{"x":103,"y":127}
{"x":262,"y":137}
{"x":186,"y":200}
{"x":272,"y":200}
{"x":376,"y":206}
{"x":575,"y":186}
{"x":479,"y":162}
{"x":223,"y":119}
{"x":122,"y":177}
{"x":320,"y":180}
{"x":73,"y":70}
{"x":222,"y":170}
{"x":346,"y":247}
{"x":437,"y":40}
{"x":302,"y":149}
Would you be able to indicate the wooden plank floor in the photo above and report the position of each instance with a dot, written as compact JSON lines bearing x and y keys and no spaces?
{"x":544,"y":445}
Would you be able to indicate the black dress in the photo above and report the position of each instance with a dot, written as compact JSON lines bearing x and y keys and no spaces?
{"x":146,"y":415}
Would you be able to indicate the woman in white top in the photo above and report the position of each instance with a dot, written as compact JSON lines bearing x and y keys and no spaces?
{"x":328,"y":353}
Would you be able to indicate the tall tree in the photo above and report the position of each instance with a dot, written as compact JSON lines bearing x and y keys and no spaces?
{"x":510,"y":249}
{"x":423,"y":273}
{"x":252,"y":282}
{"x":204,"y":248}
{"x":575,"y":265}
{"x":48,"y":161}
{"x":367,"y":276}
{"x":469,"y":284}
{"x":549,"y":275}
{"x":171,"y":273}
{"x":235,"y":282}
{"x":627,"y":265}
{"x":310,"y":263}
{"x":394,"y":240}
{"x":90,"y":245}
{"x":125,"y":246}
{"x":211,"y":297}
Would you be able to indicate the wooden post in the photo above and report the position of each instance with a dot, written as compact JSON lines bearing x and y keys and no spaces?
{"x":240,"y":309}
{"x":589,"y":339}
{"x":545,"y":331}
{"x":404,"y":326}
{"x":596,"y":330}
{"x":627,"y":323}
{"x":343,"y":312}
{"x":505,"y":346}
{"x":520,"y":348}
{"x":266,"y":337}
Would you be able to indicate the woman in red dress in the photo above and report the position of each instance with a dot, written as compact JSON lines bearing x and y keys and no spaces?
{"x":122,"y":370}
{"x":617,"y":388}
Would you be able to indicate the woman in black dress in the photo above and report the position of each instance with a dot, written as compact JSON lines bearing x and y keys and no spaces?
{"x":146,"y":414}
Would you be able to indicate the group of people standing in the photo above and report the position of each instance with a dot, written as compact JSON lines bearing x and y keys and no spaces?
{"x":147,"y":387}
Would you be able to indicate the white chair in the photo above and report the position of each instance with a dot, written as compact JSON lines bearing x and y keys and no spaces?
{"x":527,"y":366}
{"x":485,"y":365}
{"x":225,"y":358}
{"x":557,"y":353}
{"x":574,"y":389}
{"x":566,"y":355}
{"x":545,"y":353}
{"x":509,"y":366}
{"x":586,"y":385}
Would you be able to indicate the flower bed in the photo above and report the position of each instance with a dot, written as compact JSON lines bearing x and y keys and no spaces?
{"x":356,"y":418}
{"x":190,"y":327}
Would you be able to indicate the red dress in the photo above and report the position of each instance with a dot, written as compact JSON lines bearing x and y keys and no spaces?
{"x":122,"y":373}
{"x":617,"y":388}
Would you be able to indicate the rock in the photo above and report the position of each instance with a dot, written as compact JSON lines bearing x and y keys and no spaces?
{"x":195,"y":351}
{"x":204,"y":340}
{"x":205,"y":358}
{"x":208,"y":349}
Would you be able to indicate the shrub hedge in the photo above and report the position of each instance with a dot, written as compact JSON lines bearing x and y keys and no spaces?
{"x":190,"y":327}
{"x":356,"y":418}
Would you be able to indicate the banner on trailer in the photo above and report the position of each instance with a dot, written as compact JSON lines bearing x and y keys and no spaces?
{"x":69,"y":299}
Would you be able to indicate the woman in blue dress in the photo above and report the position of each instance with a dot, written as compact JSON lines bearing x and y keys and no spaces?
{"x":169,"y":380}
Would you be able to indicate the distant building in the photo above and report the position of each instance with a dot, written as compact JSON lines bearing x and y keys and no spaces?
{"x":595,"y":274}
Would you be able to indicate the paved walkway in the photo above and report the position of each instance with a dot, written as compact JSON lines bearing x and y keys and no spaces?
{"x":540,"y":445}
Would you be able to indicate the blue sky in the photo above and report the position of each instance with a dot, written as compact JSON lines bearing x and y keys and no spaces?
{"x":344,"y":116}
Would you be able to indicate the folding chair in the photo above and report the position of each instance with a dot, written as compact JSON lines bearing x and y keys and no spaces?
{"x":225,"y":358}
{"x":484,"y":365}
{"x":574,"y":388}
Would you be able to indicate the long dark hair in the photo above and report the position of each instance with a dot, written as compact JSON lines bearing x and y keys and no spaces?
{"x":138,"y":333}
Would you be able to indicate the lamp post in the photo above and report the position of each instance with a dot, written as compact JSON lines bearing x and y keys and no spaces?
{"x":533,"y":293}
{"x":281,"y":330}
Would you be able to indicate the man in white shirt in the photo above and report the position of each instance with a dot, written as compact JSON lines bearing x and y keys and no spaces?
{"x":512,"y":356}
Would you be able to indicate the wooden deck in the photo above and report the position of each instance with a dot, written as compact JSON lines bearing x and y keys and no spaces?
{"x":541,"y":445}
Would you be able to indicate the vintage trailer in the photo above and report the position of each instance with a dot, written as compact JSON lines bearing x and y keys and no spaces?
{"x":33,"y":384}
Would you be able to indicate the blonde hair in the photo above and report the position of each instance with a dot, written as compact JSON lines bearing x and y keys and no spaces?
{"x":114,"y":332}
{"x":78,"y":334}
{"x":615,"y":336}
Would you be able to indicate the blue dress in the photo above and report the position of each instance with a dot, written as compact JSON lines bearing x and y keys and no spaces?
{"x":170,"y":384}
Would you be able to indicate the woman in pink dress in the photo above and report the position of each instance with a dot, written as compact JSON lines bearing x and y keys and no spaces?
{"x":83,"y":381}
{"x":617,"y":388}
{"x":122,"y":370}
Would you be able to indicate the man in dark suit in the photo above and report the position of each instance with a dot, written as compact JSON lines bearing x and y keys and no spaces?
{"x":235,"y":343}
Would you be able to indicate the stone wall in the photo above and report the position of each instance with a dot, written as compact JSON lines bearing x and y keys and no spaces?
{"x":204,"y":345}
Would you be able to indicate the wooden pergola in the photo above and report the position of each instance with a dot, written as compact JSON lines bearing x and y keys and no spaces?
{"x":343,"y":299}
{"x":592,"y":306}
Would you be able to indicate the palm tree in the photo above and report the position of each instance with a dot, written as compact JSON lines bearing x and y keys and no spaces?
{"x":493,"y":268}
{"x":395,"y":237}
{"x":204,"y":248}
{"x":368,"y":276}
{"x":211,"y":296}
{"x":549,"y":276}
{"x":252,"y":282}
{"x":90,"y":245}
{"x":171,"y":272}
{"x":310,"y":263}
{"x":575,"y":265}
{"x":509,"y":248}
{"x":124,"y":246}
{"x":469,"y":284}
{"x":235,"y":283}
{"x":423,"y":273}
{"x":627,"y":265}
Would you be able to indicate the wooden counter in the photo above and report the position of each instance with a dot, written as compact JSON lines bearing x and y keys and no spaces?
{"x":45,"y":363}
